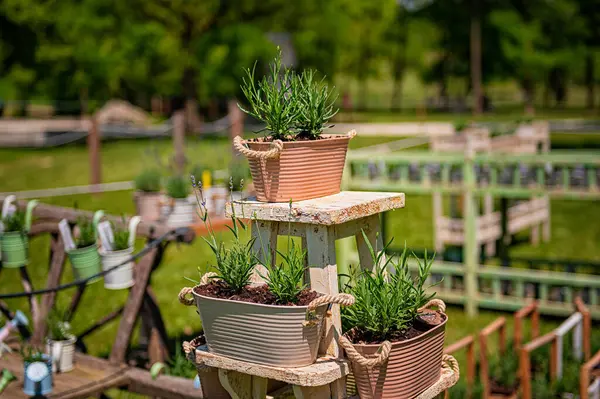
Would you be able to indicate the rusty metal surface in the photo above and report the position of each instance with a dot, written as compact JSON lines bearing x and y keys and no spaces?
{"x":331,"y":210}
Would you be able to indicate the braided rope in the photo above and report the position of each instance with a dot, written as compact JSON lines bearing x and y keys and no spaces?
{"x":188,"y":347}
{"x":451,"y":364}
{"x":185,"y":291}
{"x":276,"y":148}
{"x":313,"y":319}
{"x":341,"y":299}
{"x":448,"y":378}
{"x":351,"y":134}
{"x":434,"y":302}
{"x":207,"y":277}
{"x":352,"y":354}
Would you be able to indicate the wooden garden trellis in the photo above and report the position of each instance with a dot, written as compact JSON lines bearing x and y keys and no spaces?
{"x":539,"y":182}
{"x":93,"y":375}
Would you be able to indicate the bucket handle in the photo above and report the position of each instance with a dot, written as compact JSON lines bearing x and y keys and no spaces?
{"x":6,"y":204}
{"x":312,"y":318}
{"x":133,"y":224}
{"x":276,"y":148}
{"x":96,"y":219}
{"x":434,"y":302}
{"x":29,"y":214}
{"x":184,"y":298}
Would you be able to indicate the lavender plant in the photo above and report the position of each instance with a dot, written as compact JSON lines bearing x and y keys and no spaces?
{"x":316,"y":105}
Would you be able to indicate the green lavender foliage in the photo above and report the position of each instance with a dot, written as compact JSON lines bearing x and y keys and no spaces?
{"x":148,"y":181}
{"x":177,"y":187}
{"x":316,"y":104}
{"x":286,"y":280}
{"x":271,"y":99}
{"x":121,"y":237}
{"x":87,"y":233}
{"x":59,"y":328}
{"x":14,"y":222}
{"x":388,"y":297}
{"x":30,"y":354}
{"x":234,"y":265}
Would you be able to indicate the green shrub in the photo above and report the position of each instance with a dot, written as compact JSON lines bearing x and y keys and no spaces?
{"x":386,"y":298}
{"x":504,"y":367}
{"x":460,"y":125}
{"x":15,"y":222}
{"x":59,"y":328}
{"x":316,"y":105}
{"x":148,"y":181}
{"x":177,"y":187}
{"x":87,"y":233}
{"x":271,"y":100}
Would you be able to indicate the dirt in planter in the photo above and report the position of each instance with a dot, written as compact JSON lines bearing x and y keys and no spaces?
{"x":259,"y":294}
{"x":300,"y":137}
{"x":419,"y":327}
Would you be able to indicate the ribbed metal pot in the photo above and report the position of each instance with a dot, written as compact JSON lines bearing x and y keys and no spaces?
{"x":121,"y":277}
{"x":15,"y":246}
{"x":85,"y":262}
{"x":304,"y":169}
{"x":62,"y":354}
{"x":147,"y":205}
{"x":265,"y":334}
{"x":182,"y":214}
{"x":413,"y":366}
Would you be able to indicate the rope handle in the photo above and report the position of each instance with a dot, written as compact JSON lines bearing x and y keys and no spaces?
{"x":276,"y":148}
{"x":313,"y":319}
{"x":184,"y":296}
{"x":451,"y":364}
{"x":434,"y":302}
{"x":382,"y":354}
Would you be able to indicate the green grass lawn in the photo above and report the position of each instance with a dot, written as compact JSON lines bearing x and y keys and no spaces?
{"x":575,"y":231}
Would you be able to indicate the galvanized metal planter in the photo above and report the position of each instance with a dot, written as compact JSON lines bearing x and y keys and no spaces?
{"x":181,"y":214}
{"x":265,"y":334}
{"x":296,"y":170}
{"x":85,"y":262}
{"x":121,"y":277}
{"x":15,"y":248}
{"x":62,"y":353}
{"x":412,"y":367}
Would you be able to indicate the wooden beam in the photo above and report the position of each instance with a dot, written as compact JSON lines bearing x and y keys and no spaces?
{"x":93,"y":144}
{"x":163,"y":386}
{"x":132,"y":308}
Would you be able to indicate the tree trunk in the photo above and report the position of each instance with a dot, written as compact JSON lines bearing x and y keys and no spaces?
{"x":192,"y":118}
{"x":529,"y":93}
{"x":589,"y":80}
{"x":476,"y":57}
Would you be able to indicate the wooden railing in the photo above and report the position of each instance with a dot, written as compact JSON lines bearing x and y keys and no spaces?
{"x":499,"y":326}
{"x":467,"y":343}
{"x":510,"y":289}
{"x":589,"y":384}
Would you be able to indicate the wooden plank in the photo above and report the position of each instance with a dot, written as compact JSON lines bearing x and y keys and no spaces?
{"x":164,"y":386}
{"x":331,"y":210}
{"x":133,"y":306}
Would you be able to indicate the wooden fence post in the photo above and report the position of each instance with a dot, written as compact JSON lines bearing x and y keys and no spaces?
{"x":470,"y":247}
{"x":93,"y":144}
{"x":179,"y":140}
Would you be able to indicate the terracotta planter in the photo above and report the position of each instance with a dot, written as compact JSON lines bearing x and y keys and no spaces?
{"x":62,"y":353}
{"x":413,"y":366}
{"x":296,"y":170}
{"x":121,"y":277}
{"x":147,"y":205}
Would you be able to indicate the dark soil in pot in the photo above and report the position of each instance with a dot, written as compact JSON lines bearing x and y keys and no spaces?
{"x":259,"y":294}
{"x":424,"y":322}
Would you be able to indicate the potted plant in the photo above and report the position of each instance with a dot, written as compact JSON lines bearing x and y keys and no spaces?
{"x":181,"y":210}
{"x":115,"y":252}
{"x":394,"y":341}
{"x":294,"y":159}
{"x":277,"y":324}
{"x":85,"y":258}
{"x":14,"y":239}
{"x":147,"y":195}
{"x":60,"y":343}
{"x":37,"y":376}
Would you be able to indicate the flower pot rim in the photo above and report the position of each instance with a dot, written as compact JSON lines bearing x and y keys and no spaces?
{"x":407,"y":341}
{"x":82,"y":250}
{"x":295,"y":307}
{"x":70,"y":340}
{"x":104,"y":252}
{"x":292,"y":143}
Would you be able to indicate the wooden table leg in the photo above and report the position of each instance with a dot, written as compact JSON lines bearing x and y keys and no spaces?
{"x":243,"y":386}
{"x":322,"y":392}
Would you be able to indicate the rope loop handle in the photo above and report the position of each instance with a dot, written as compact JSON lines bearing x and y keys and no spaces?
{"x":383,"y":353}
{"x":184,"y":296}
{"x":434,"y":302}
{"x":273,"y":152}
{"x":351,"y":134}
{"x":312,"y":318}
{"x":451,"y":364}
